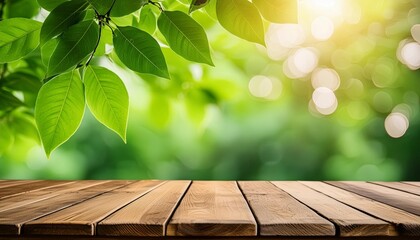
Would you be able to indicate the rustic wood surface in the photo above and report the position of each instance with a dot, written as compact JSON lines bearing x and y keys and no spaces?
{"x":118,"y":209}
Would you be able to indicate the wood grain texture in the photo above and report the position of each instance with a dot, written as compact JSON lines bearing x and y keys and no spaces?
{"x":400,"y":186}
{"x":212,"y":208}
{"x":413,"y":183}
{"x":407,"y":223}
{"x":28,"y":187}
{"x":399,"y":199}
{"x":146,"y":216}
{"x":350,"y":221}
{"x":11,"y":221}
{"x":39,"y":195}
{"x":278,"y":214}
{"x":8,"y":183}
{"x":81,"y":219}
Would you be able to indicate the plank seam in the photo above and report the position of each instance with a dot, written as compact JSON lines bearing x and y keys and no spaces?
{"x":22,"y":226}
{"x":250,"y":208}
{"x":337,"y":228}
{"x":393,"y":188}
{"x":175,"y":208}
{"x":95,"y":224}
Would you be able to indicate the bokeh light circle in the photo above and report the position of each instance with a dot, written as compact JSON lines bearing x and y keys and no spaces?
{"x":396,"y":124}
{"x":325,"y":77}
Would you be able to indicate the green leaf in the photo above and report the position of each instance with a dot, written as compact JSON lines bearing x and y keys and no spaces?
{"x":101,"y":6}
{"x":76,"y":43}
{"x":59,"y":109}
{"x":50,"y":4}
{"x":197,"y":4}
{"x":147,"y":20}
{"x":241,"y":18}
{"x":21,"y":8}
{"x":278,"y":11}
{"x":185,"y":36}
{"x":8,"y":101}
{"x":47,"y":50}
{"x":125,"y":7}
{"x":61,"y":18}
{"x":106,"y":38}
{"x":22,"y":81}
{"x":139,"y":51}
{"x":18,"y":37}
{"x":107,"y":98}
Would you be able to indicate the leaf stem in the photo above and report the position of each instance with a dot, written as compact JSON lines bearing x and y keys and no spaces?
{"x":156,"y":4}
{"x":97,"y":44}
{"x":109,"y":11}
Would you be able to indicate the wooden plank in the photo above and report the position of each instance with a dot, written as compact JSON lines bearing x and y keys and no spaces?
{"x":9,"y":183}
{"x":81,"y":219}
{"x":206,"y":238}
{"x":11,"y":220}
{"x":28,"y":187}
{"x":350,"y":221}
{"x":278,"y":214}
{"x":212,"y":208}
{"x":408,"y":224}
{"x":400,"y":186}
{"x":39,"y":195}
{"x":402,"y":200}
{"x":146,"y":216}
{"x":413,"y":183}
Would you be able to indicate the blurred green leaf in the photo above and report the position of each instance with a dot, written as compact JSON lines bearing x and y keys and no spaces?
{"x":21,"y":8}
{"x":18,"y":37}
{"x":76,"y":43}
{"x":59,"y":109}
{"x":185,"y":36}
{"x":61,"y":18}
{"x":22,"y":81}
{"x":147,"y":21}
{"x":159,"y":110}
{"x":241,"y":18}
{"x":101,"y":6}
{"x":197,"y":4}
{"x":6,"y":137}
{"x":278,"y":11}
{"x":107,"y":98}
{"x":139,"y":51}
{"x":24,"y":125}
{"x":124,"y":7}
{"x":50,"y":4}
{"x":8,"y":101}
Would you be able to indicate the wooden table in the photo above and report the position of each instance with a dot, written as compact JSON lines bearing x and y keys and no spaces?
{"x":41,"y":209}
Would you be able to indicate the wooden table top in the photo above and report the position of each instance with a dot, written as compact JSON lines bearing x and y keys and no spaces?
{"x":151,"y":209}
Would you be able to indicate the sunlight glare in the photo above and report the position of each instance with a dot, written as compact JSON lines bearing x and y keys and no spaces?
{"x":265,"y":87}
{"x":324,"y":98}
{"x":305,"y":60}
{"x":396,"y":124}
{"x":410,"y":55}
{"x":322,"y":28}
{"x":325,"y":77}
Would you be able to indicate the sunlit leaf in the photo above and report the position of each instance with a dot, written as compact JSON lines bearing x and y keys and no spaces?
{"x":124,"y":7}
{"x":147,"y":21}
{"x":102,"y":6}
{"x":18,"y":37}
{"x":59,"y":109}
{"x":197,"y":4}
{"x":279,"y":11}
{"x":139,"y":51}
{"x":107,"y":98}
{"x":76,"y":43}
{"x":61,"y":18}
{"x":50,"y":4}
{"x":185,"y":36}
{"x":241,"y":18}
{"x":106,"y":39}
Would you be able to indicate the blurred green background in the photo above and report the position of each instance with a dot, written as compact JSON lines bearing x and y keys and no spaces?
{"x":334,"y":97}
